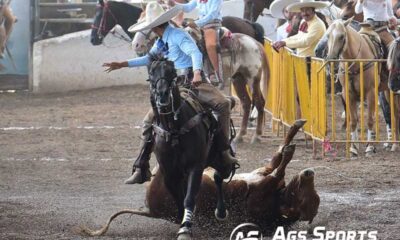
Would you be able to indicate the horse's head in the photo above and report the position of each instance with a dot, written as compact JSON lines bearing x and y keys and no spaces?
{"x":253,"y":8}
{"x":301,"y":201}
{"x":99,"y":24}
{"x":393,"y":63}
{"x":142,"y":42}
{"x":348,"y":10}
{"x":340,"y":3}
{"x":110,"y":13}
{"x":336,"y":38}
{"x":162,"y":77}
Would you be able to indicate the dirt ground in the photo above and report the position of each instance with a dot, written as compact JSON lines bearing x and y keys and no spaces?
{"x":63,"y":159}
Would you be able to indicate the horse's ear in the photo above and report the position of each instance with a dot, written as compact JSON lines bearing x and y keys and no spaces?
{"x":348,"y":21}
{"x":101,"y":2}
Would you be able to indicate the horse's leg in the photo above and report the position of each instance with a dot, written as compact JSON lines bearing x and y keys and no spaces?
{"x":220,"y":212}
{"x":2,"y":41}
{"x":344,"y":125}
{"x":239,"y":84}
{"x":396,"y":103}
{"x":174,"y":184}
{"x":193,"y":187}
{"x":259,"y":102}
{"x":383,"y":96}
{"x":353,"y":125}
{"x":370,"y":124}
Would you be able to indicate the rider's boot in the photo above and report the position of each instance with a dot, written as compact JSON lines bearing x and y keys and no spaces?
{"x":141,"y":168}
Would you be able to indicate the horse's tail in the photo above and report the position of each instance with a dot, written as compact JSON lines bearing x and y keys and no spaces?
{"x":259,"y":32}
{"x":85,"y":230}
{"x":265,"y":73}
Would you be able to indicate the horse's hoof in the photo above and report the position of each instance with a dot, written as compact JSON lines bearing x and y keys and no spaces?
{"x":387,"y":146}
{"x":395,"y":147}
{"x":184,"y":233}
{"x":238,"y":139}
{"x":256,"y":139}
{"x":353,"y":152}
{"x":184,"y":236}
{"x":219,"y":217}
{"x":370,"y":151}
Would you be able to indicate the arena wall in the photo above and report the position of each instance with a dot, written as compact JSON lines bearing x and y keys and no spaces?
{"x":70,"y":62}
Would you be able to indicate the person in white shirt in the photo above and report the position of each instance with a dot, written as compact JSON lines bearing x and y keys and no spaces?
{"x":379,"y":14}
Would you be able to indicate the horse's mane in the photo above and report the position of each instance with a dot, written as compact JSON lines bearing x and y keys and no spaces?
{"x":129,"y":10}
{"x":392,"y":54}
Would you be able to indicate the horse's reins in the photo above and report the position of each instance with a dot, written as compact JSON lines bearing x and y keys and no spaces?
{"x":103,"y":24}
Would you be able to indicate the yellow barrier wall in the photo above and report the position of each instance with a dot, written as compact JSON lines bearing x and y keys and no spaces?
{"x":292,"y":94}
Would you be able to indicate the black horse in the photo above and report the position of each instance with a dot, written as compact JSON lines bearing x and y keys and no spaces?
{"x":109,"y":14}
{"x":254,"y":8}
{"x":182,"y":143}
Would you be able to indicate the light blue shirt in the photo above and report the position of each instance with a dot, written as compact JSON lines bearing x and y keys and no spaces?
{"x":209,"y":10}
{"x":182,"y":50}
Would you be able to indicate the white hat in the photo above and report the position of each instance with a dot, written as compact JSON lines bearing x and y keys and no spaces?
{"x":155,"y":16}
{"x":278,"y":6}
{"x":296,"y":7}
{"x":137,"y":1}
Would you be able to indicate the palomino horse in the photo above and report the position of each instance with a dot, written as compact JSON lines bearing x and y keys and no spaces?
{"x":260,"y":197}
{"x":348,"y":11}
{"x":109,"y":14}
{"x":344,"y":42}
{"x":245,"y":63}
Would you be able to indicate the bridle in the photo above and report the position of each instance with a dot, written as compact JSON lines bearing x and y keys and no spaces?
{"x":170,"y":101}
{"x":103,"y":23}
{"x":147,"y":38}
{"x":395,"y":70}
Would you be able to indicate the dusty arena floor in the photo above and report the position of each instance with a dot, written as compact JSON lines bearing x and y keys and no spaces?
{"x":63,"y":159}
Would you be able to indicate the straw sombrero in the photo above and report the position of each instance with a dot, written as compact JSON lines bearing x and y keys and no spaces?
{"x":155,"y":16}
{"x":296,"y":7}
{"x":278,"y":6}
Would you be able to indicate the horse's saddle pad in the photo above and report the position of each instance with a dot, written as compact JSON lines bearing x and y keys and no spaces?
{"x":373,"y":40}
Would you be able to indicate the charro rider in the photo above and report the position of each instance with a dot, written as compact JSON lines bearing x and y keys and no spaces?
{"x":177,"y":46}
{"x":209,"y":21}
{"x":378,"y":14}
{"x":279,"y":10}
{"x":311,"y":28}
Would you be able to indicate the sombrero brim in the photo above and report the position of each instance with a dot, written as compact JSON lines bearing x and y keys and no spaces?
{"x":296,"y":7}
{"x":163,"y":18}
{"x":277,"y":7}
